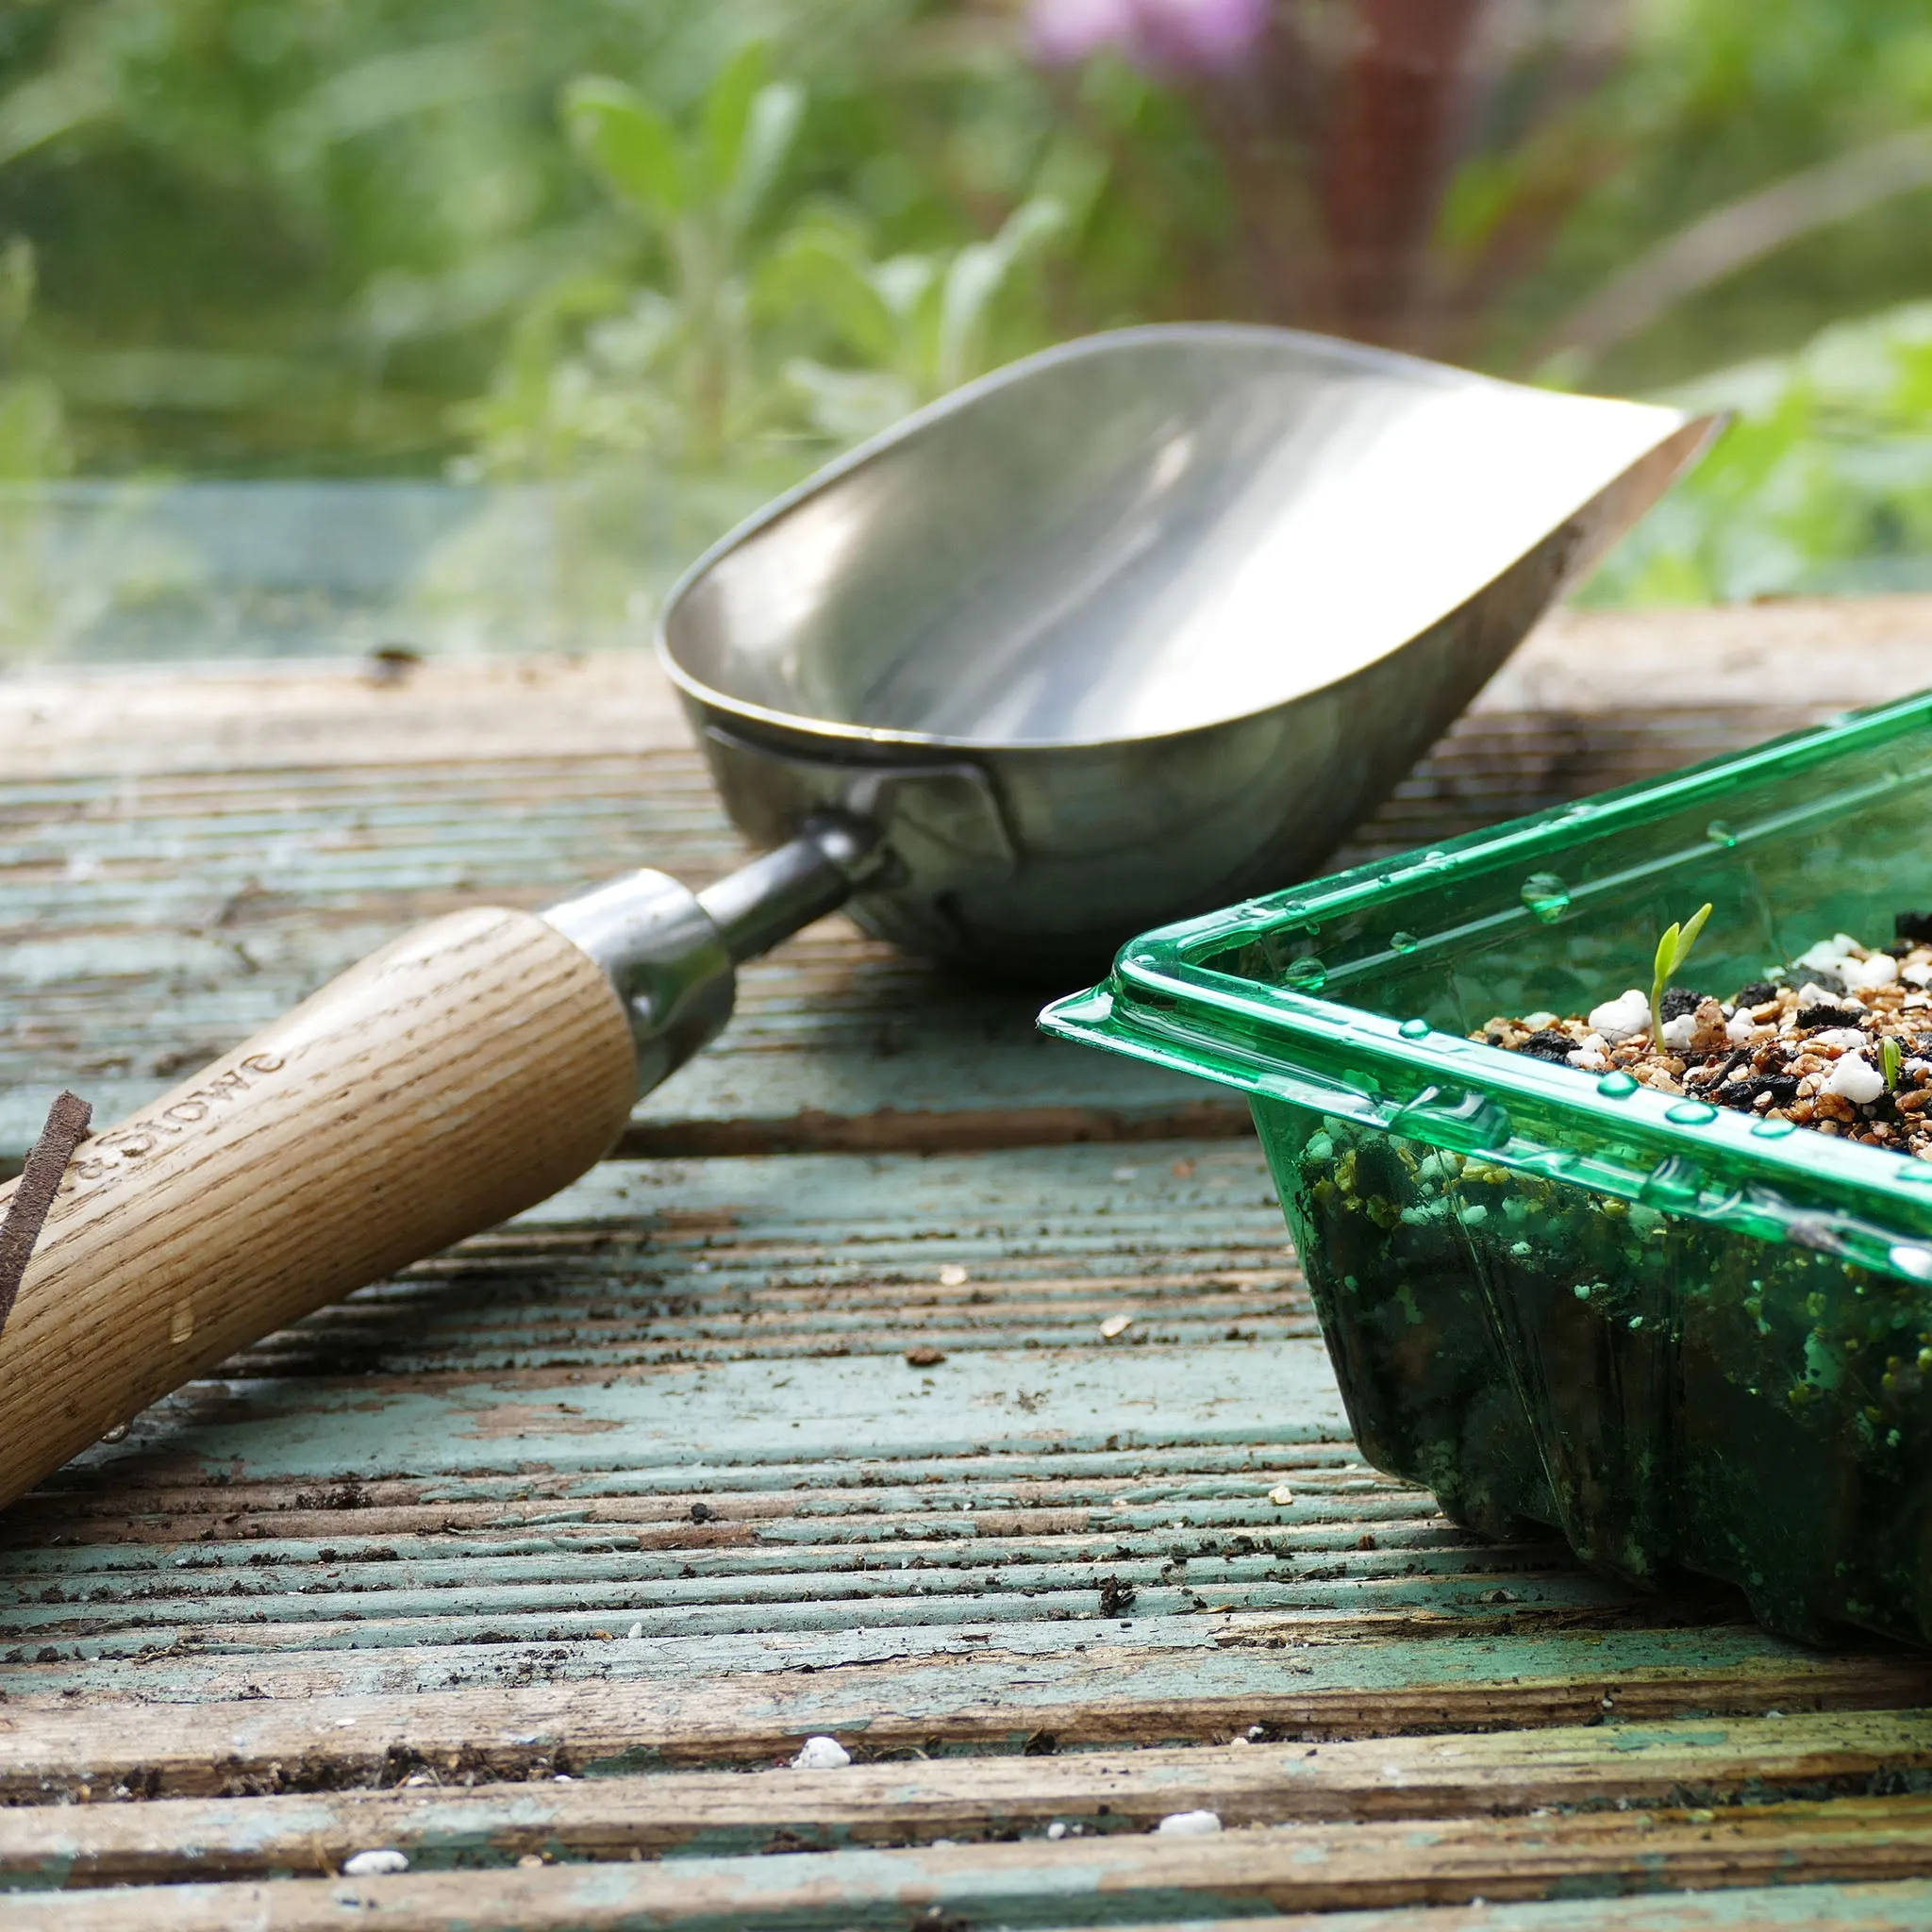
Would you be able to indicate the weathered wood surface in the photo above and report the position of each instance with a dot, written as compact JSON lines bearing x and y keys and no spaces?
{"x":182,"y":856}
{"x":1120,"y":1880}
{"x":643,"y":1490}
{"x":1699,"y":1764}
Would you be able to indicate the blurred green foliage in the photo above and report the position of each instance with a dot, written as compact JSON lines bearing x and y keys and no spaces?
{"x":1822,"y":483}
{"x":607,"y":361}
{"x":707,"y":244}
{"x":695,"y":352}
{"x":33,"y":427}
{"x":1716,"y":99}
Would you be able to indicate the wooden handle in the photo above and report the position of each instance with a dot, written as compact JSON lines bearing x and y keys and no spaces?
{"x":454,"y":1078}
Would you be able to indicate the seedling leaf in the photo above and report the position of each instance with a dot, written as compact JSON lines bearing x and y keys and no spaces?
{"x":1891,"y":1058}
{"x":1672,"y":949}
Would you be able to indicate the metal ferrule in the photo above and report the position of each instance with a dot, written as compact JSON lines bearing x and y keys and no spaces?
{"x":669,"y":964}
{"x":671,"y":953}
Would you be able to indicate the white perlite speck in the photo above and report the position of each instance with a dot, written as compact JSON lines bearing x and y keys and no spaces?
{"x":1854,"y":1078}
{"x":1812,"y":995}
{"x":1678,"y":1033}
{"x":1829,"y":956}
{"x":1622,"y":1018}
{"x":1592,"y":1055}
{"x":1876,"y":969}
{"x":375,"y":1864}
{"x":1189,"y":1824}
{"x":1835,"y":1039}
{"x":822,"y":1754}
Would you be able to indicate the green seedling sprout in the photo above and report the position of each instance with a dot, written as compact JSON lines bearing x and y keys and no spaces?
{"x":1672,"y":951}
{"x":1891,"y":1058}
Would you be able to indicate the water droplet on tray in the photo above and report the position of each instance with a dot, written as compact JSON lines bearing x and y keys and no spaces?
{"x":1911,"y":1260}
{"x":1403,"y":942}
{"x":1774,"y":1129}
{"x":1916,"y":1171}
{"x":1418,"y":1029}
{"x":1305,"y":973}
{"x":1674,"y":1182}
{"x":1718,"y":833}
{"x":1546,"y":895}
{"x":1690,"y":1113}
{"x":1617,"y":1085}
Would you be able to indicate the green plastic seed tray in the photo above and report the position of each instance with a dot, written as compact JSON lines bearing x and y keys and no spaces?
{"x":1684,"y":1337}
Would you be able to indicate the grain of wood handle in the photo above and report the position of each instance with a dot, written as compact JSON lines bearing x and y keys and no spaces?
{"x":454,"y":1078}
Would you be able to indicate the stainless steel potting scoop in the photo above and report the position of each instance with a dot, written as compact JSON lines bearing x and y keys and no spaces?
{"x":1120,"y":633}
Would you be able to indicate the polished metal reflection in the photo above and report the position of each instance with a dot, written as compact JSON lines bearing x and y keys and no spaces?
{"x":666,"y":958}
{"x":1182,"y":604}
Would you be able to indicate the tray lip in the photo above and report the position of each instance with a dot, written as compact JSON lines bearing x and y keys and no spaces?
{"x":1161,"y":1004}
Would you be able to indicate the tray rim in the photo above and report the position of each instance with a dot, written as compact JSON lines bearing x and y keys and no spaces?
{"x":1161,"y":1004}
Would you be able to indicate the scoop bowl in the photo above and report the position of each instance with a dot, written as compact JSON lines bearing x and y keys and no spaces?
{"x":1141,"y":624}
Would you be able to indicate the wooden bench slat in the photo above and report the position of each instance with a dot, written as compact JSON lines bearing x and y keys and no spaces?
{"x":988,"y":1696}
{"x":283,"y":714}
{"x":924,"y":1541}
{"x":191,"y":853}
{"x":1901,"y":1907}
{"x":1112,"y":1880}
{"x":1702,"y":1763}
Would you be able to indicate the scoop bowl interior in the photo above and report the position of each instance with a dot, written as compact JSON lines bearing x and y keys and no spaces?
{"x":1190,"y":599}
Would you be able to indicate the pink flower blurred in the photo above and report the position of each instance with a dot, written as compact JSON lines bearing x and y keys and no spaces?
{"x":1202,"y":34}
